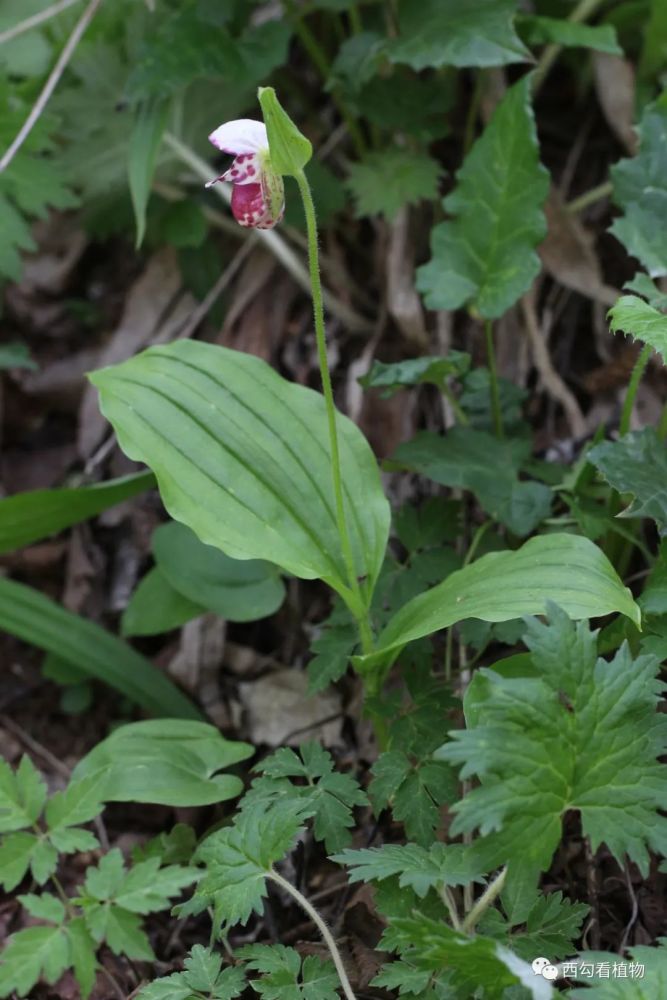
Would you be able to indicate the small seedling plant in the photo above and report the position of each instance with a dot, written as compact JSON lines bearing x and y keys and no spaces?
{"x":485,"y":768}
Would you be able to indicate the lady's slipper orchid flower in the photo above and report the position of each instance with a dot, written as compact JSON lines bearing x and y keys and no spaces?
{"x":258,"y":195}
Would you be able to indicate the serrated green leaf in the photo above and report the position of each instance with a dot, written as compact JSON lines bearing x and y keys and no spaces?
{"x":16,"y":852}
{"x":329,"y":796}
{"x":550,"y":927}
{"x":538,"y":30}
{"x":202,"y":973}
{"x":415,"y":371}
{"x":239,"y":858}
{"x":31,"y":954}
{"x":44,"y":907}
{"x":155,"y":607}
{"x":486,"y":255}
{"x":286,"y":977}
{"x":383,"y":182}
{"x":642,"y":285}
{"x":28,"y":517}
{"x":448,"y":33}
{"x":582,"y":735}
{"x":474,"y":962}
{"x":415,"y":790}
{"x":239,"y":590}
{"x":477,"y":461}
{"x":247,"y":451}
{"x":170,"y":762}
{"x":79,"y":803}
{"x":148,"y":888}
{"x":43,"y":861}
{"x":33,"y":617}
{"x":636,"y":464}
{"x":22,"y":795}
{"x":82,"y":954}
{"x":567,"y":569}
{"x":643,"y":976}
{"x":642,"y":321}
{"x":640,"y":189}
{"x":417,"y":867}
{"x":73,"y":839}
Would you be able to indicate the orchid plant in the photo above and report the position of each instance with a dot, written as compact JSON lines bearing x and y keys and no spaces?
{"x":263,"y":153}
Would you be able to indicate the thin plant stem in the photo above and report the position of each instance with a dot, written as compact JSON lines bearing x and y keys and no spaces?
{"x":473,"y":111}
{"x":327,"y":936}
{"x":459,"y":413}
{"x":589,"y":197}
{"x":488,"y":897}
{"x":633,"y":385}
{"x":477,"y":538}
{"x":36,"y":19}
{"x":493,"y":384}
{"x":360,"y":612}
{"x":446,"y":896}
{"x":583,"y":10}
{"x":51,"y":83}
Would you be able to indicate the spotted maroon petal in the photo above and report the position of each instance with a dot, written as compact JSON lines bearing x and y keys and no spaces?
{"x":245,"y":169}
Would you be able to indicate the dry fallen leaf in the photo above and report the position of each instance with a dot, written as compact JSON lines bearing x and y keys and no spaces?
{"x":615,"y":87}
{"x":280,"y":711}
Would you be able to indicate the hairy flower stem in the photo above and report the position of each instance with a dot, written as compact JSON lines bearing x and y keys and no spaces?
{"x":327,"y":936}
{"x":493,"y":384}
{"x":633,"y":385}
{"x":357,"y":605}
{"x":488,"y":897}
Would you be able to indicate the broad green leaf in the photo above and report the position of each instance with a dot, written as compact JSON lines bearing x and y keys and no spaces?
{"x":640,"y":189}
{"x":155,"y":607}
{"x":142,"y":153}
{"x":567,"y":569}
{"x":449,"y":33}
{"x":239,"y":858}
{"x":173,"y":762}
{"x":329,"y":796}
{"x":474,"y":962}
{"x":242,"y":457}
{"x":584,"y":735}
{"x":285,"y":976}
{"x":29,"y":517}
{"x":31,"y":616}
{"x":477,"y":461}
{"x":636,"y":464}
{"x":537,"y":30}
{"x":31,"y":954}
{"x":642,"y":321}
{"x":417,"y":867}
{"x":415,"y":371}
{"x":22,"y":795}
{"x":485,"y":255}
{"x":383,"y":182}
{"x":239,"y":590}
